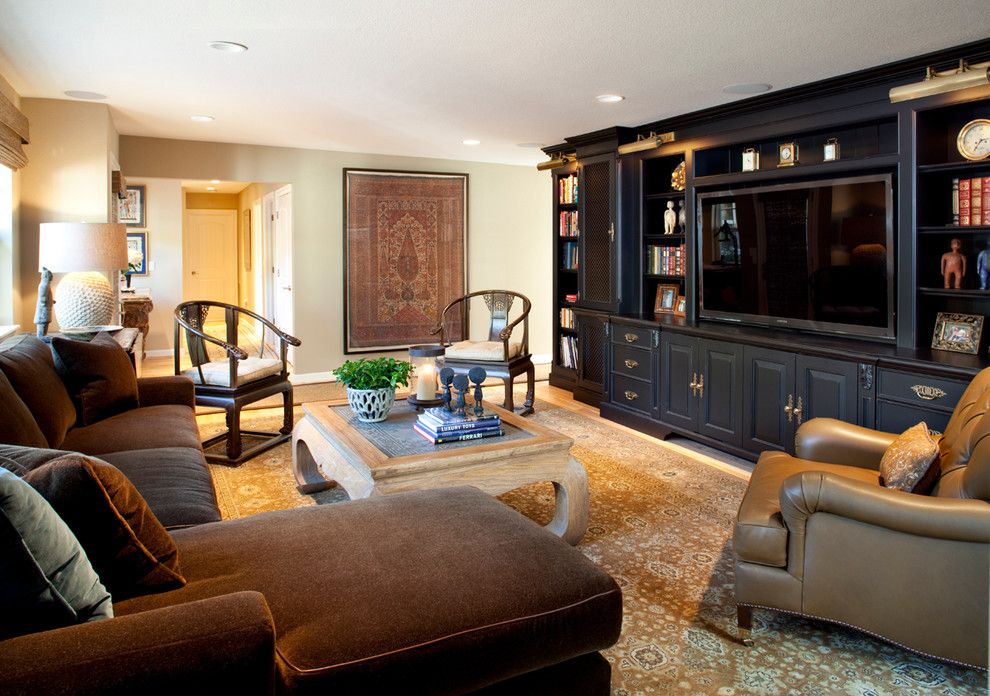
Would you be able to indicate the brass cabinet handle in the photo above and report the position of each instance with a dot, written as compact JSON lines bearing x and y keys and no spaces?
{"x":631,"y":338}
{"x":694,"y":384}
{"x":798,"y":411}
{"x":611,"y":232}
{"x":789,"y":408}
{"x":631,"y":395}
{"x":923,"y":391}
{"x":631,"y":364}
{"x":701,"y":385}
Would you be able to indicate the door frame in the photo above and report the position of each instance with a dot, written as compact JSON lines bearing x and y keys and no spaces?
{"x":279,"y":209}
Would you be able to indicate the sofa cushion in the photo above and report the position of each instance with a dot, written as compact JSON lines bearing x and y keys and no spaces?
{"x":148,"y":427}
{"x":98,"y":374}
{"x":28,"y":364}
{"x":449,"y":585}
{"x":909,"y":462}
{"x":17,"y":426}
{"x":128,"y":547}
{"x":760,"y":535}
{"x":174,"y":481}
{"x":47,"y":579}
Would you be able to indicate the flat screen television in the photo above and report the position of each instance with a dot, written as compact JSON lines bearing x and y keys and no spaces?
{"x":816,"y":255}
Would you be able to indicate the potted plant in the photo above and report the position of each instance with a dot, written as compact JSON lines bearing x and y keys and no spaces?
{"x":371,"y":385}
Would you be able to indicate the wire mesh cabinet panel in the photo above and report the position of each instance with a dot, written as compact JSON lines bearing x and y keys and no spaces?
{"x":597,"y":276}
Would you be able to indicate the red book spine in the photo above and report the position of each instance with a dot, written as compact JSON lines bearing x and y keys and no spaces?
{"x":986,"y":200}
{"x":964,"y":201}
{"x":976,"y":201}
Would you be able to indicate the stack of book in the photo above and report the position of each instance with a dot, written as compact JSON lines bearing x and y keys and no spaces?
{"x":569,"y":223}
{"x":665,"y":260}
{"x":569,"y":189}
{"x":438,"y":425}
{"x":969,"y":201}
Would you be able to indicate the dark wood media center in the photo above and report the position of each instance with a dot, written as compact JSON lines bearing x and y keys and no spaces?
{"x":746,"y":388}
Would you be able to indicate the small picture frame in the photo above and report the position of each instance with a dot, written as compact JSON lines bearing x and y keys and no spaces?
{"x":750,"y":159}
{"x":680,"y":309}
{"x":138,"y":242}
{"x":960,"y":333}
{"x":130,"y":209}
{"x":666,"y":301}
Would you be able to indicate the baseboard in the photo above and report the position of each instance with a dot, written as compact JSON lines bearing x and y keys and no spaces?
{"x":160,"y":353}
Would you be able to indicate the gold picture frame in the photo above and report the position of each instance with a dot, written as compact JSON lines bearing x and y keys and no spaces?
{"x":666,"y":300}
{"x":680,"y":308}
{"x":960,"y":333}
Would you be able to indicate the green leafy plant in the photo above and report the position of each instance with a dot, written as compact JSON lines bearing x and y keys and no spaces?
{"x":379,"y":373}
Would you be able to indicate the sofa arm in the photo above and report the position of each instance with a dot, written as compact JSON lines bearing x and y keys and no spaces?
{"x":163,"y":391}
{"x":837,"y":442}
{"x":226,"y":642}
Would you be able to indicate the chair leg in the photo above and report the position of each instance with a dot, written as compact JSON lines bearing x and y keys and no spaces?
{"x":530,"y":391}
{"x":744,"y":619}
{"x":508,"y":404}
{"x":287,"y":412}
{"x":233,"y":433}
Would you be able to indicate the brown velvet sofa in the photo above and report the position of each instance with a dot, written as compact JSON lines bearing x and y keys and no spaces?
{"x":818,"y":535}
{"x":435,"y":592}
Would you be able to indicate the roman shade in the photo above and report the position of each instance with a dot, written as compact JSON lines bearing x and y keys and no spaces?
{"x":13,"y":134}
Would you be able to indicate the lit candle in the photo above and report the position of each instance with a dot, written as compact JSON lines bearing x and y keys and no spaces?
{"x":426,"y":385}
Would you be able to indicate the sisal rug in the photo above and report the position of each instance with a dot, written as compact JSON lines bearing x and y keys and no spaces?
{"x":661,"y":525}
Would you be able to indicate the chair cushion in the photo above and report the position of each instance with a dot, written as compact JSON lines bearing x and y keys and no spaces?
{"x":760,"y":535}
{"x":98,"y":374}
{"x":252,"y":369}
{"x":47,"y":580}
{"x":127,"y":545}
{"x":490,"y":351}
{"x":449,"y":586}
{"x":148,"y":427}
{"x":18,"y":426}
{"x":909,"y":462}
{"x":28,"y":364}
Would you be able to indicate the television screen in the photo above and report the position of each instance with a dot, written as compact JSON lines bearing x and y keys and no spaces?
{"x":814,"y":255}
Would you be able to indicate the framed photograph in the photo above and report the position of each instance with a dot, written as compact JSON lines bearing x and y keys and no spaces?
{"x":137,"y":253}
{"x":680,"y":309}
{"x":960,"y":333}
{"x":405,"y":257}
{"x":246,"y":250}
{"x":666,"y":301}
{"x":130,"y":210}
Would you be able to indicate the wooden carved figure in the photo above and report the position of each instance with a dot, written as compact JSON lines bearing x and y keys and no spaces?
{"x":953,"y":265}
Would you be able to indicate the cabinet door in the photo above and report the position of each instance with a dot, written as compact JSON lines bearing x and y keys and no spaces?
{"x":596,"y":269}
{"x":720,"y":391}
{"x":678,"y":374}
{"x":826,"y":389}
{"x":592,"y":352}
{"x":767,"y":383}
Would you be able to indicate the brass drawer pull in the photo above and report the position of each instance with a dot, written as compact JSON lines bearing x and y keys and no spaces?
{"x":631,"y":364}
{"x":631,"y":395}
{"x":631,"y":338}
{"x":923,"y":391}
{"x":798,"y":411}
{"x":789,"y":408}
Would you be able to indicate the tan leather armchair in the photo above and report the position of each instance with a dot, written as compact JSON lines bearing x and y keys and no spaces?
{"x":817,"y":535}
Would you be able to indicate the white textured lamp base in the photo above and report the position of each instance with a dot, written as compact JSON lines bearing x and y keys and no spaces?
{"x":84,"y":299}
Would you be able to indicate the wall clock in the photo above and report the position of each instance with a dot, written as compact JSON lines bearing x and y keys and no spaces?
{"x":788,"y":154}
{"x":973,"y":142}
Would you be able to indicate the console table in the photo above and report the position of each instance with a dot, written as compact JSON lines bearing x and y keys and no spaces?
{"x":135,"y":311}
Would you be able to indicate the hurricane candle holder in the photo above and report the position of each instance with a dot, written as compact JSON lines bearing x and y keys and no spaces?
{"x":427,"y":362}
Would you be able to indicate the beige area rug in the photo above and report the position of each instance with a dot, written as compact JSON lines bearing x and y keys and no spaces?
{"x":661,"y":524}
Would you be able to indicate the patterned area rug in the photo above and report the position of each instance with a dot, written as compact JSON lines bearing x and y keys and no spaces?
{"x":661,"y":525}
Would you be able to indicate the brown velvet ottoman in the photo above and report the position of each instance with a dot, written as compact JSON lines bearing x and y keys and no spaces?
{"x":433,"y":592}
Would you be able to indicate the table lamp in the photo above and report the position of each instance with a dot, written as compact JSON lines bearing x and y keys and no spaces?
{"x":84,"y":296}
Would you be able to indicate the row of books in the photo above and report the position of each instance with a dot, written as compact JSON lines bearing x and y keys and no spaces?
{"x":439,"y":426}
{"x":569,"y":189}
{"x":568,"y":351}
{"x":571,"y":297}
{"x":971,"y":201}
{"x":567,"y":318}
{"x":665,"y":260}
{"x":569,"y":256}
{"x":569,"y":223}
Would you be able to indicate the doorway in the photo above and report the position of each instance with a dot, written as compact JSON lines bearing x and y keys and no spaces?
{"x":279,"y":302}
{"x":209,"y":257}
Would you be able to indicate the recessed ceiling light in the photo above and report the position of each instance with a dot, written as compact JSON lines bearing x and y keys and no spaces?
{"x":747,"y":88}
{"x":200,"y":118}
{"x":471,"y":141}
{"x":609,"y":98}
{"x":82,"y":94}
{"x":227,"y":46}
{"x":211,"y":188}
{"x":214,"y":181}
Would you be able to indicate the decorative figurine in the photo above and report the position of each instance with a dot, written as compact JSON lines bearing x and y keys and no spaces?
{"x":678,"y":178}
{"x":669,"y":219}
{"x":682,"y":217}
{"x":983,"y":267}
{"x":478,"y":375}
{"x":43,"y":312}
{"x":953,"y":265}
{"x":446,"y":377}
{"x":461,"y":384}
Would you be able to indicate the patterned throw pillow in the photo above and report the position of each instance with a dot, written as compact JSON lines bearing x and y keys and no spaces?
{"x":910,"y":463}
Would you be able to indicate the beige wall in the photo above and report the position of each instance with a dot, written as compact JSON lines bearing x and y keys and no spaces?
{"x":509,"y":225}
{"x":211,"y":201}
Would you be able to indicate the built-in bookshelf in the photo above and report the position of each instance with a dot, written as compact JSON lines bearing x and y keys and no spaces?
{"x":663,"y":247}
{"x":567,"y":262}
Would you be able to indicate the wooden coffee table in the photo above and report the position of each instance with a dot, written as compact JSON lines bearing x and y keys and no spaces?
{"x":331,"y":447}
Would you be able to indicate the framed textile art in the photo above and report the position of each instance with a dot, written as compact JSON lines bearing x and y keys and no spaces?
{"x":405,"y":257}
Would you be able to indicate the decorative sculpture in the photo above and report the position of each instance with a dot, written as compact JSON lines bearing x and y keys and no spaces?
{"x":43,"y":312}
{"x":461,"y":384}
{"x":682,"y":217}
{"x":669,"y":219}
{"x":953,"y":265}
{"x":478,"y":375}
{"x":446,"y":377}
{"x":983,"y":267}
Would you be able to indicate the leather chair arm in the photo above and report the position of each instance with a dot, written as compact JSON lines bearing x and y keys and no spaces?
{"x":162,"y":391}
{"x":955,"y":519}
{"x":837,"y":442}
{"x":227,"y":642}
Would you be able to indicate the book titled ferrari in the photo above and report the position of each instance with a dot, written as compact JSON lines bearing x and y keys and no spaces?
{"x":455,"y":437}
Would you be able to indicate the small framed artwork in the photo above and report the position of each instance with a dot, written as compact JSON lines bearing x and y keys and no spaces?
{"x":680,"y":309}
{"x":246,"y":250}
{"x":960,"y":333}
{"x":137,"y":253}
{"x":130,"y":210}
{"x":666,"y":301}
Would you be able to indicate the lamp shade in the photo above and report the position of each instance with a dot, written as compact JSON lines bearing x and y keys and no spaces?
{"x":82,"y":246}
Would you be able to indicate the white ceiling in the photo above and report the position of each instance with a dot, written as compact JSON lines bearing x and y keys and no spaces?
{"x":415,"y":77}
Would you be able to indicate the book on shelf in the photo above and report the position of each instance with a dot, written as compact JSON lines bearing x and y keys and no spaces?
{"x":568,"y":352}
{"x":467,"y":428}
{"x":571,"y":297}
{"x":569,"y":223}
{"x":955,"y":201}
{"x":971,"y":201}
{"x":665,"y":260}
{"x":444,"y":439}
{"x":976,"y":201}
{"x":569,"y":256}
{"x":568,"y":189}
{"x":567,"y":318}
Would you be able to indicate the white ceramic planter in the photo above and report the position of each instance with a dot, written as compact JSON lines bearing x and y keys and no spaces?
{"x":371,"y":405}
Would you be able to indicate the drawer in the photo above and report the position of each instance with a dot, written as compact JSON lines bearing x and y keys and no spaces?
{"x":923,"y":391}
{"x":633,"y":362}
{"x":632,"y":394}
{"x":896,"y":418}
{"x":624,"y":334}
